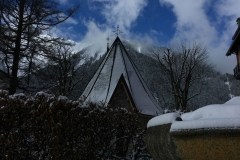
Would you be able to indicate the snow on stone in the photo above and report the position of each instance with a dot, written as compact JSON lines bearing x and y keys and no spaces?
{"x":163,"y":119}
{"x":206,"y":124}
{"x":233,"y":101}
{"x":212,"y":116}
{"x":213,"y":112}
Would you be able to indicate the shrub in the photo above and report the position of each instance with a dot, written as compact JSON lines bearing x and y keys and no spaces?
{"x":49,"y":127}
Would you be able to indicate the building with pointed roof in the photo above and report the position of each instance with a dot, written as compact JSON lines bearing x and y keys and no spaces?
{"x":235,"y":49}
{"x":118,"y":82}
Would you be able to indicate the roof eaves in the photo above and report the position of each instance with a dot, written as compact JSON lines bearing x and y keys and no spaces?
{"x":231,"y":49}
{"x":236,"y":34}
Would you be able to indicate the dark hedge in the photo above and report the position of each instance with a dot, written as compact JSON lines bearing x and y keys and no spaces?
{"x":49,"y":127}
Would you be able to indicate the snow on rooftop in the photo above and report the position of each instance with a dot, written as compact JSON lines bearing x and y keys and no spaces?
{"x":116,"y":64}
{"x":163,"y":119}
{"x":219,"y":116}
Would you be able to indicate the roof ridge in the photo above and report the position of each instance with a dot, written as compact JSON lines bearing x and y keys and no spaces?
{"x":116,"y":63}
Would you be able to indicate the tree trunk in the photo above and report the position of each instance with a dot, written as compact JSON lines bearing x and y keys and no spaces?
{"x":30,"y":69}
{"x":16,"y":54}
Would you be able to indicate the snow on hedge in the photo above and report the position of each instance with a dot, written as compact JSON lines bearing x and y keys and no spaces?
{"x":225,"y":115}
{"x":163,"y":119}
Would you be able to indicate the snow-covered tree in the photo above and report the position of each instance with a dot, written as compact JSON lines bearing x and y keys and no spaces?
{"x":183,"y":67}
{"x":22,"y":21}
{"x":48,"y":127}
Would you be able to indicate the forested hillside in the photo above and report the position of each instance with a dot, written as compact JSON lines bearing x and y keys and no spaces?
{"x":81,"y":68}
{"x":212,"y":89}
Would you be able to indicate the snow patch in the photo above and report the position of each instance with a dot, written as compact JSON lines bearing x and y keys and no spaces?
{"x":3,"y":93}
{"x":43,"y":94}
{"x":139,"y":49}
{"x":233,"y":101}
{"x":18,"y":96}
{"x":163,"y":119}
{"x":62,"y":99}
{"x":206,"y":124}
{"x":220,"y":116}
{"x":212,"y":116}
{"x":216,"y":111}
{"x":229,"y":87}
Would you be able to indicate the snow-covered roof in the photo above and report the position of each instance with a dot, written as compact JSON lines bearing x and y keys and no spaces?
{"x":117,"y":63}
{"x":219,"y":116}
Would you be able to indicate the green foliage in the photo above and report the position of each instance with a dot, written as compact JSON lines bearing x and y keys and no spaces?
{"x":49,"y":127}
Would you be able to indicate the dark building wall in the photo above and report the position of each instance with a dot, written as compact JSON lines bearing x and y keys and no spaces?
{"x":160,"y":143}
{"x":121,"y":99}
{"x":209,"y":144}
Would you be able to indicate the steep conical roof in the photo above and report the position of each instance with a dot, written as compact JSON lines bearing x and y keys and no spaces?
{"x":118,"y":64}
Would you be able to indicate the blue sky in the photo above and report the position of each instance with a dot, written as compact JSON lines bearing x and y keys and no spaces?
{"x":160,"y":22}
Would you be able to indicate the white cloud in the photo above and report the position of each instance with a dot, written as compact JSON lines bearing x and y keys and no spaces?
{"x":95,"y":37}
{"x":228,"y":12}
{"x":123,"y":12}
{"x":228,"y":8}
{"x":192,"y":22}
{"x":193,"y":25}
{"x":116,"y":12}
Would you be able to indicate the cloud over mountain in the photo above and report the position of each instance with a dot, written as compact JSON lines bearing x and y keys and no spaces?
{"x":208,"y":22}
{"x":194,"y":24}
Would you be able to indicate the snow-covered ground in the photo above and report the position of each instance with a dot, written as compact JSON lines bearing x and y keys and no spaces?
{"x":219,"y":116}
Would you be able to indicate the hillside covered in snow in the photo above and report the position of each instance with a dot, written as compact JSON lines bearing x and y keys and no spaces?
{"x":214,"y":88}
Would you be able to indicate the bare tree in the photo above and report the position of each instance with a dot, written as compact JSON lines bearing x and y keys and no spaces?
{"x":65,"y":64}
{"x":21,"y":23}
{"x":183,"y":67}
